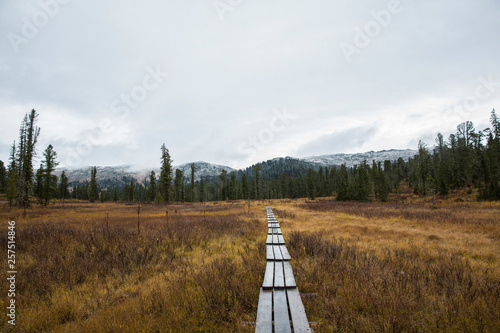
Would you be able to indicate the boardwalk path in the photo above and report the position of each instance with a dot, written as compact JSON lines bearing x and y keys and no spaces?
{"x":280,"y":306}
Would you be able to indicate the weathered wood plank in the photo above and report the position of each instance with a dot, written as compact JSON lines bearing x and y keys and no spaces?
{"x":281,"y":240}
{"x":270,"y":252}
{"x":279,"y":278}
{"x":284,"y":253}
{"x":297,"y":311}
{"x":269,"y":239}
{"x":289,"y":278}
{"x":264,"y":323}
{"x":277,"y":253}
{"x":281,"y":318}
{"x":268,"y":282}
{"x":275,"y":239}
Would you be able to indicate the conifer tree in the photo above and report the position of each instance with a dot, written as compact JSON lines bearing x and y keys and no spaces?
{"x":3,"y":178}
{"x":38,"y":189}
{"x":256,"y":170}
{"x":28,"y":137}
{"x":179,"y":178}
{"x":152,"y":186}
{"x":202,"y":190}
{"x":244,"y":187}
{"x":131,"y":190}
{"x":93,"y":192}
{"x":193,"y":169}
{"x":311,"y":184}
{"x":165,"y":174}
{"x":63,"y":186}
{"x":12,"y":183}
{"x":49,"y":179}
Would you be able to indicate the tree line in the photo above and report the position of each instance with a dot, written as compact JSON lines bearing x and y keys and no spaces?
{"x":468,"y":158}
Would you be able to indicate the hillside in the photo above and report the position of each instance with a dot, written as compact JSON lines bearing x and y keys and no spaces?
{"x":119,"y":176}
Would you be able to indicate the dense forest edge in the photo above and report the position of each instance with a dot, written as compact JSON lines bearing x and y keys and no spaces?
{"x":468,"y":159}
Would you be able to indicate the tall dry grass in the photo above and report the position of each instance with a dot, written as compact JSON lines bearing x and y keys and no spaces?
{"x":80,"y":269}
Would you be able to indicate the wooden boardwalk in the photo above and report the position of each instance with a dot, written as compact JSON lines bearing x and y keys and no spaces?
{"x":280,"y":306}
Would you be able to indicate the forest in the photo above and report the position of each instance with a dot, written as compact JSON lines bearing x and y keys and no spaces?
{"x":468,"y":158}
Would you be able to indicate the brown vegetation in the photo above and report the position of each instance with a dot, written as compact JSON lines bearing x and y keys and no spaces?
{"x":401,"y":266}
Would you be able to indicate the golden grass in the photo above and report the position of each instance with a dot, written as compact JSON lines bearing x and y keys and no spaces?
{"x":396,"y":266}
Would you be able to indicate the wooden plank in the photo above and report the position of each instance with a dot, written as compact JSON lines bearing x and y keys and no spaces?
{"x":284,"y":253}
{"x":279,"y":278}
{"x":269,"y":239}
{"x":275,"y":239}
{"x":277,"y":253}
{"x":289,"y":278}
{"x":273,"y":225}
{"x":281,"y":240}
{"x":281,"y":318}
{"x":269,"y":276}
{"x":264,"y":323}
{"x":270,"y":253}
{"x":297,"y":311}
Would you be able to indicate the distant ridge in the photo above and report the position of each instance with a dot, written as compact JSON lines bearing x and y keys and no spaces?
{"x":119,"y":176}
{"x":354,"y":159}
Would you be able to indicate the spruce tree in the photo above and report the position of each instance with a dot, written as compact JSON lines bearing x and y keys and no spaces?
{"x":179,"y":177}
{"x":152,"y":186}
{"x":244,"y":187}
{"x":28,"y":137}
{"x":202,"y":190}
{"x":38,"y":189}
{"x":192,"y":181}
{"x":256,"y":170}
{"x":49,"y":179}
{"x":12,"y":183}
{"x":131,"y":189}
{"x":93,"y":192}
{"x":3,"y":178}
{"x":311,"y":184}
{"x":165,"y":174}
{"x":63,"y":186}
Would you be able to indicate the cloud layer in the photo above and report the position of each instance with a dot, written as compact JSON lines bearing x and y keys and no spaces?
{"x":415,"y":68}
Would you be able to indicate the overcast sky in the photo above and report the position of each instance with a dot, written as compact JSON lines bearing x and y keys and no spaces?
{"x":238,"y":82}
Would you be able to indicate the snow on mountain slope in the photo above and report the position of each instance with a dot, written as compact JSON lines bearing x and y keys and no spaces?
{"x":354,"y":159}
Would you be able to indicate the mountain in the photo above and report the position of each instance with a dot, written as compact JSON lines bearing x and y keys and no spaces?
{"x":354,"y":159}
{"x":119,"y":176}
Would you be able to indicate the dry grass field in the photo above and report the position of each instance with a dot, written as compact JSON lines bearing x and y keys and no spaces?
{"x":400,"y":266}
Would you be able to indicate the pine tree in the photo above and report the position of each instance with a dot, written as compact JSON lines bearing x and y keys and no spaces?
{"x":63,"y":186}
{"x":93,"y":192}
{"x":179,"y":178}
{"x":193,"y":168}
{"x":3,"y":178}
{"x":49,"y":179}
{"x":343,"y":183}
{"x":383,"y":186}
{"x":39,"y":184}
{"x":12,"y":193}
{"x":131,"y":189}
{"x":223,"y":186}
{"x":202,"y":190}
{"x":28,"y":137}
{"x":165,"y":174}
{"x":152,"y":186}
{"x":311,"y":184}
{"x":256,"y":170}
{"x":244,"y":187}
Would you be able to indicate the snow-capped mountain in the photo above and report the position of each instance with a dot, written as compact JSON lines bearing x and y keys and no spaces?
{"x":354,"y":159}
{"x":119,"y":176}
